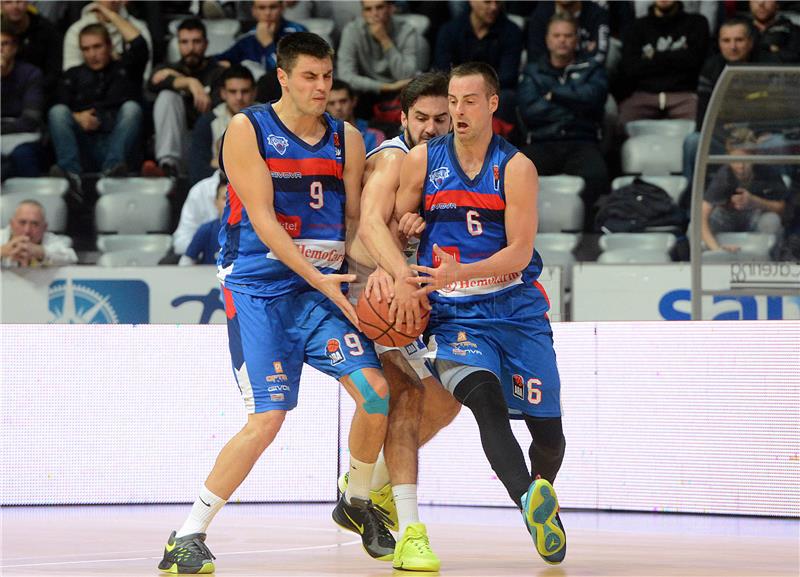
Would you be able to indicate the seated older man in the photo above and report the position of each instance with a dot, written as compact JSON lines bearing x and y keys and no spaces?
{"x":27,"y":243}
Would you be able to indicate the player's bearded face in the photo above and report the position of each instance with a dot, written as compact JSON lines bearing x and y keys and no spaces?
{"x":309,"y":84}
{"x":427,"y":118}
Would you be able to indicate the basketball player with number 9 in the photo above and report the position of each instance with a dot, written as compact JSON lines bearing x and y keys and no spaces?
{"x":490,"y":336}
{"x":295,"y":183}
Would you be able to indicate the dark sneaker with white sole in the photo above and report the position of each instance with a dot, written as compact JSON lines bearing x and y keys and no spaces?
{"x":360,"y":516}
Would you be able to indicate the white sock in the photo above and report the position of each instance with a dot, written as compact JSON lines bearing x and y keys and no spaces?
{"x":358,"y":481}
{"x":203,"y":511}
{"x":380,"y":474}
{"x":405,"y":497}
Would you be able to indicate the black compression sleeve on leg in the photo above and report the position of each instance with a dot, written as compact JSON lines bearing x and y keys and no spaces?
{"x":547,"y":446}
{"x":481,"y":393}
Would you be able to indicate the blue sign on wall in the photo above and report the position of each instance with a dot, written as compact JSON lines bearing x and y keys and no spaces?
{"x":88,"y":301}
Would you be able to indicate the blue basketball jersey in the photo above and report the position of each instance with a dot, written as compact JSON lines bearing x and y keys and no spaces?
{"x":309,"y":204}
{"x":466,"y":218}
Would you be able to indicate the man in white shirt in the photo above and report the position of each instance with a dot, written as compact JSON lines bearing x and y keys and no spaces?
{"x":26,"y":242}
{"x":198,"y":208}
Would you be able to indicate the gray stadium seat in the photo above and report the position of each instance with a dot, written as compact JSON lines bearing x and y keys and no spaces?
{"x":561,"y":241}
{"x":129,"y":257}
{"x":559,"y":212}
{"x":755,"y":246}
{"x":36,"y":186}
{"x":134,"y":184}
{"x":672,"y":184}
{"x":562,"y":183}
{"x":652,"y":154}
{"x":665,"y":127}
{"x":160,"y":243}
{"x":55,"y":209}
{"x":633,"y":256}
{"x":132,"y":213}
{"x":658,"y":241}
{"x":563,"y":258}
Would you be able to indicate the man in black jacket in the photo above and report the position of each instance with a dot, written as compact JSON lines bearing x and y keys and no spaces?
{"x":40,"y":43}
{"x":562,"y":100}
{"x":661,"y":59}
{"x":777,"y":39}
{"x":98,"y":115}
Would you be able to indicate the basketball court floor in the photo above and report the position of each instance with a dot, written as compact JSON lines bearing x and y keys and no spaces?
{"x":301,"y":540}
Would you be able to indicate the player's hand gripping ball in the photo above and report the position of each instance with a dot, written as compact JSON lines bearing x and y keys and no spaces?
{"x":373,"y":316}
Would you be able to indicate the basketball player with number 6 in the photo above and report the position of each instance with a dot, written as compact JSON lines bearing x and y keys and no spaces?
{"x":295,"y":183}
{"x":490,"y":336}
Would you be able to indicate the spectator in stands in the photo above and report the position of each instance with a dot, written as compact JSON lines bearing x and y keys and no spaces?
{"x":186,"y":89}
{"x":485,"y":34}
{"x":661,"y":59}
{"x":100,"y":13}
{"x":735,"y":47}
{"x":777,"y":39}
{"x":98,"y":115}
{"x":22,"y":105}
{"x":205,"y":243}
{"x":342,"y":103}
{"x":26,"y":242}
{"x":561,"y":101}
{"x":257,"y":48}
{"x":238,"y":91}
{"x":593,"y":27}
{"x":742,"y":197}
{"x":198,"y":208}
{"x":39,"y":43}
{"x":378,"y":54}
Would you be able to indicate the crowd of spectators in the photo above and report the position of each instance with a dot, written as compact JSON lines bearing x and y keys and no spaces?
{"x":87,"y":88}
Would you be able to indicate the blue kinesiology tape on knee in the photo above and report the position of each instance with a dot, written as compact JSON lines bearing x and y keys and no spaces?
{"x":373,"y":404}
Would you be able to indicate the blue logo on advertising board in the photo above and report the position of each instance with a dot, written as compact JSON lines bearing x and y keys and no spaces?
{"x":87,"y":301}
{"x":676,"y":306}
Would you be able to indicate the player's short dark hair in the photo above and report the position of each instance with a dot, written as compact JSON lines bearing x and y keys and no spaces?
{"x":301,"y":44}
{"x":342,"y":85}
{"x":193,"y":24}
{"x":428,"y":84}
{"x":481,"y":69}
{"x":95,"y":30}
{"x":739,"y":21}
{"x":563,"y":17}
{"x":237,"y":71}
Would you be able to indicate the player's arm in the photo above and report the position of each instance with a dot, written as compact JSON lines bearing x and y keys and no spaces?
{"x":252,"y":182}
{"x":521,"y":222}
{"x":377,"y":207}
{"x":355,"y":155}
{"x":406,"y":305}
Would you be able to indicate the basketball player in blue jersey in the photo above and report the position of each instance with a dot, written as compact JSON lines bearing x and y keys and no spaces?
{"x":295,"y":181}
{"x":489,"y":332}
{"x":419,"y":406}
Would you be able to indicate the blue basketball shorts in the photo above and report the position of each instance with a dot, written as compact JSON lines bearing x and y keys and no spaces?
{"x":508,"y":335}
{"x":271,"y":337}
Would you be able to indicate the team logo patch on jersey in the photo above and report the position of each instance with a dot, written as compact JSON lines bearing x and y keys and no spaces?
{"x":519,"y":386}
{"x":496,"y":173}
{"x":334,"y":351}
{"x":437,"y":176}
{"x":279,"y":143}
{"x":463,"y":342}
{"x":336,"y":146}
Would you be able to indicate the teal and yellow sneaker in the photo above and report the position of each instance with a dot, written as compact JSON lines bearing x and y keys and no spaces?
{"x":383,"y":500}
{"x":187,"y":554}
{"x":413,"y":551}
{"x":540,"y":510}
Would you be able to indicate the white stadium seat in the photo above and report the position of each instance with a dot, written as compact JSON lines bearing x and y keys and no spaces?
{"x":559,"y":212}
{"x":652,"y":154}
{"x":633,"y":256}
{"x":134,"y":184}
{"x":562,"y":183}
{"x":35,"y":186}
{"x":132,"y":213}
{"x":667,"y":127}
{"x":560,"y":241}
{"x":658,"y":241}
{"x":754,"y":246}
{"x":129,"y":257}
{"x":159,"y":243}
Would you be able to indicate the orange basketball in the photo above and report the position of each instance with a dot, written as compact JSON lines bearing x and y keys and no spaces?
{"x":373,"y":314}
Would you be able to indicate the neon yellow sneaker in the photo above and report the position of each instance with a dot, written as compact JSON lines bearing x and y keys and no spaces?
{"x":383,"y":500}
{"x":188,"y":554}
{"x":413,"y":551}
{"x":540,"y":509}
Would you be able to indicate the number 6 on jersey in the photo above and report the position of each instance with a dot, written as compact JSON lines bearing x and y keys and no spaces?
{"x":474,"y":226}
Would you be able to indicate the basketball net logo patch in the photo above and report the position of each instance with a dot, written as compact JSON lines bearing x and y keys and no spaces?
{"x":279,"y":143}
{"x":437,"y":176}
{"x":519,"y":386}
{"x":333,"y":350}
